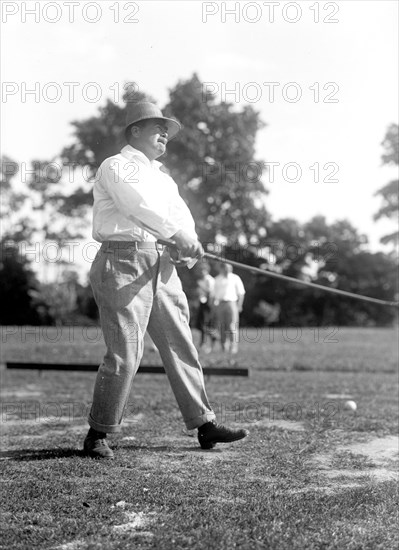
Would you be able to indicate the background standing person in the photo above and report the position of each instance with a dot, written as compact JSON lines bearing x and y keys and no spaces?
{"x":136,"y":286}
{"x":229,"y":295}
{"x":205,"y":321}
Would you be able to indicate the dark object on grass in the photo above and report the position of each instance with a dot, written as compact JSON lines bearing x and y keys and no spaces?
{"x":143,"y":369}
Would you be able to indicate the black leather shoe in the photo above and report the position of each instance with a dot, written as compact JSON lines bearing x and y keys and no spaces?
{"x":96,"y":446}
{"x":211,"y":433}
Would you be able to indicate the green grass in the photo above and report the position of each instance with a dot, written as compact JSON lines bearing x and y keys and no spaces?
{"x":273,"y":490}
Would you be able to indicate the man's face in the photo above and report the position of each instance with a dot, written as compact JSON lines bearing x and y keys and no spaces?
{"x":203,"y":271}
{"x":152,"y":138}
{"x":225,"y":269}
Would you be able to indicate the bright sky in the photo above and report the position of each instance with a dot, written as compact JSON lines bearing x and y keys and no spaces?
{"x":353,"y":61}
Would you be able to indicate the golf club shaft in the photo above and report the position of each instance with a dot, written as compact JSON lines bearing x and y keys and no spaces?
{"x":268,"y":273}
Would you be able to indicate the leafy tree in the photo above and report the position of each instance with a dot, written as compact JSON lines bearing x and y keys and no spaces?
{"x":338,"y":257}
{"x":18,"y":288}
{"x":9,"y":168}
{"x":86,"y":304}
{"x":68,"y":301}
{"x":101,"y":136}
{"x":212,"y":161}
{"x":17,"y":281}
{"x":16,"y":223}
{"x":390,"y":192}
{"x":343,"y":262}
{"x":96,"y":138}
{"x":64,"y":216}
{"x":33,"y":216}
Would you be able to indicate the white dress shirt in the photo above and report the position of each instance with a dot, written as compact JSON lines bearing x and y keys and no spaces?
{"x":136,"y":201}
{"x":228,"y":288}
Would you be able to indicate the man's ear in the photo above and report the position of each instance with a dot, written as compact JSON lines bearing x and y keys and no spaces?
{"x":134,"y":131}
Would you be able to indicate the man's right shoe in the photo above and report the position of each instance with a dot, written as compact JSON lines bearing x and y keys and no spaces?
{"x":96,"y":446}
{"x":211,"y":433}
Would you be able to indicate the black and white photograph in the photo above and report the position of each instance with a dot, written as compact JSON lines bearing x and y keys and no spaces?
{"x":199,"y":282}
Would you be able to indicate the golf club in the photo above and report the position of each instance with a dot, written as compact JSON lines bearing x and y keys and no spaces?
{"x":268,"y":273}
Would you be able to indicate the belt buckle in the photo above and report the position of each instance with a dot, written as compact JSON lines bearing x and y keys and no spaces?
{"x":135,"y":245}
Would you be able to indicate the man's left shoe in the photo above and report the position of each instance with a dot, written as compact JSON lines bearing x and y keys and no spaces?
{"x":211,"y":433}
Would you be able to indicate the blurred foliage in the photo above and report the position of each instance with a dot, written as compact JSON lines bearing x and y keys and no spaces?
{"x":68,"y":302}
{"x":14,"y":225}
{"x":332,"y":255}
{"x":18,"y":285}
{"x":101,"y":136}
{"x":390,"y":192}
{"x":9,"y":168}
{"x":213,"y":162}
{"x":337,"y":257}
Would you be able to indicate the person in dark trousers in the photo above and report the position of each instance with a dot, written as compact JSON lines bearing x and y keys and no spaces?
{"x":136,"y":286}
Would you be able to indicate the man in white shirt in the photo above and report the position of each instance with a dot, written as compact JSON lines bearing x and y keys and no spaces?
{"x":136,"y":286}
{"x":228,"y":296}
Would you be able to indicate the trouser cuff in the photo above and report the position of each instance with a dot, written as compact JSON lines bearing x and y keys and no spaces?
{"x":106,"y":428}
{"x":200,"y":420}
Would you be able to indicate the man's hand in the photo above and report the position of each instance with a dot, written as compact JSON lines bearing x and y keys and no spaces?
{"x":177,"y":259}
{"x":187,"y":246}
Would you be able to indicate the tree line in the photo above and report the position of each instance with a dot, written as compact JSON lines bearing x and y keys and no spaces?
{"x":214,"y":164}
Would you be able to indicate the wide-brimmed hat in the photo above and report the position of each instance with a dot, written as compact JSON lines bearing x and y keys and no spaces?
{"x":144,"y":110}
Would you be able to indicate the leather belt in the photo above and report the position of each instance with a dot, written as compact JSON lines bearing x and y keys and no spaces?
{"x":135,"y":245}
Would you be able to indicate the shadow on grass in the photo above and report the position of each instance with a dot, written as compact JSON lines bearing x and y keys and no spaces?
{"x":40,"y":454}
{"x":51,"y":454}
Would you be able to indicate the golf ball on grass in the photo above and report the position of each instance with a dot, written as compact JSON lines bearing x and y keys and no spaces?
{"x":350,"y":406}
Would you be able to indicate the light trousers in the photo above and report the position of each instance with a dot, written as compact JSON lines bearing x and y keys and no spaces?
{"x":138,"y":290}
{"x":228,"y":320}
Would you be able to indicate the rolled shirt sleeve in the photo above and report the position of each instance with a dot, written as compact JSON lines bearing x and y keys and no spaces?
{"x":240,"y":289}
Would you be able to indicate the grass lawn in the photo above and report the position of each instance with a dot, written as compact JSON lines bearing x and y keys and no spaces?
{"x":311,"y":475}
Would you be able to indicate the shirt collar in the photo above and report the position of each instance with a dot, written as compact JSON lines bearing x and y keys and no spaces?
{"x":130,"y":152}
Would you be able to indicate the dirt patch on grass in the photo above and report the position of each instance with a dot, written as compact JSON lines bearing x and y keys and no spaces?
{"x":73,"y":545}
{"x":20,"y":394}
{"x":358,"y":463}
{"x":379,"y":449}
{"x":134,"y":419}
{"x":289,"y":425}
{"x":338,"y":396}
{"x":136,"y":522}
{"x":378,"y":475}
